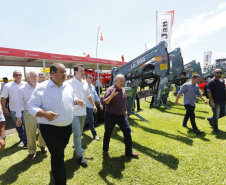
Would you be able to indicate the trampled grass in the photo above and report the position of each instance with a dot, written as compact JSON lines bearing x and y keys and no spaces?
{"x":169,"y":154}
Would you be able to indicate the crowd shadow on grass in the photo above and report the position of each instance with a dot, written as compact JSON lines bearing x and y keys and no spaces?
{"x":71,"y":166}
{"x":221,"y":136}
{"x":182,"y":139}
{"x":166,"y":159}
{"x":165,"y":111}
{"x":9,"y":151}
{"x":113,"y":167}
{"x":176,"y":107}
{"x":86,"y":140}
{"x":13,"y":172}
{"x":191,"y":134}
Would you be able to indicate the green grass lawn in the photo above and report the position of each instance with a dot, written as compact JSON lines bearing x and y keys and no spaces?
{"x":169,"y":154}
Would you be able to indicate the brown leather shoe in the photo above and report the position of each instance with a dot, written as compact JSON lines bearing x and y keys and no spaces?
{"x":43,"y":149}
{"x":132,"y":154}
{"x":32,"y":156}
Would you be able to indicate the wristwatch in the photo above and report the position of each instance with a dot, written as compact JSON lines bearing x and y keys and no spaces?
{"x":2,"y":137}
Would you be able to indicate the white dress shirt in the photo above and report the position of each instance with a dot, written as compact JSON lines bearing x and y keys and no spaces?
{"x":2,"y":118}
{"x":11,"y":90}
{"x":49,"y":97}
{"x":24,"y":94}
{"x":82,"y":92}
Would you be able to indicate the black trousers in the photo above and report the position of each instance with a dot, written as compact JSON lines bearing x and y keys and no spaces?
{"x":56,"y":139}
{"x":98,"y":91}
{"x":138,"y":102}
{"x":190,"y":113}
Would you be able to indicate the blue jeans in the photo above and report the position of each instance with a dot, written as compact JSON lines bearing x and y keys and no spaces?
{"x":110,"y":122}
{"x":177,"y":89}
{"x":20,"y":130}
{"x":89,"y":116}
{"x":218,"y":112}
{"x":77,"y":127}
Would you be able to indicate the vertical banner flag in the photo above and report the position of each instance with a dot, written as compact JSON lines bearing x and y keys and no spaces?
{"x":207,"y":60}
{"x":101,"y":38}
{"x":164,"y":25}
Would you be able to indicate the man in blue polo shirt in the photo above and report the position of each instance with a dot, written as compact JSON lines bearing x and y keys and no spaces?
{"x":190,"y":90}
{"x":216,"y":94}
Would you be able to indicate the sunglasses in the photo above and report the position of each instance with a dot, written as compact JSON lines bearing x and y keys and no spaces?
{"x":218,"y":72}
{"x":17,"y":75}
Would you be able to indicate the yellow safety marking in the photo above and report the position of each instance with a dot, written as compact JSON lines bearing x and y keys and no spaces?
{"x":158,"y":58}
{"x":163,"y":66}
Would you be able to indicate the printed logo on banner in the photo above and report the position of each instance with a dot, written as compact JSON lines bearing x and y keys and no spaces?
{"x":206,"y":60}
{"x":4,"y":52}
{"x":164,"y":27}
{"x":164,"y":31}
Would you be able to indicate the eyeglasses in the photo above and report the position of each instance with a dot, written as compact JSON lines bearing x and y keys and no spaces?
{"x":17,"y":75}
{"x":218,"y":72}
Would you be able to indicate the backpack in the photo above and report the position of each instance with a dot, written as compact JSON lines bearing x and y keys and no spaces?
{"x":205,"y":89}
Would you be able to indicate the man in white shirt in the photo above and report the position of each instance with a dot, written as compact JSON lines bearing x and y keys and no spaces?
{"x":81,"y":89}
{"x":2,"y":131}
{"x":11,"y":90}
{"x":5,"y":81}
{"x":52,"y":102}
{"x":23,"y":97}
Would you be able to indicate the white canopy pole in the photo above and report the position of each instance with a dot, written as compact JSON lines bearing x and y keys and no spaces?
{"x":98,"y":78}
{"x":25,"y":76}
{"x":44,"y":67}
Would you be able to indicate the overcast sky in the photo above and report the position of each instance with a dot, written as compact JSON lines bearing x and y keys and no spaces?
{"x":69,"y":27}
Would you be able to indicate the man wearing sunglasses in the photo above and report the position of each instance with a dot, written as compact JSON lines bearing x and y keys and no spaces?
{"x":11,"y":90}
{"x":216,"y":94}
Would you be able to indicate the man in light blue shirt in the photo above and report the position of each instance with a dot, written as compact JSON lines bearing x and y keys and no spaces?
{"x":190,"y":90}
{"x":89,"y":106}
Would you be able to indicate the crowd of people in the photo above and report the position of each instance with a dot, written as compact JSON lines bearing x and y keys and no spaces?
{"x":57,"y":108}
{"x":216,"y":91}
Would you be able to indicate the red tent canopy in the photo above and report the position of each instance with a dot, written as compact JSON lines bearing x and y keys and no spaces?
{"x":27,"y":58}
